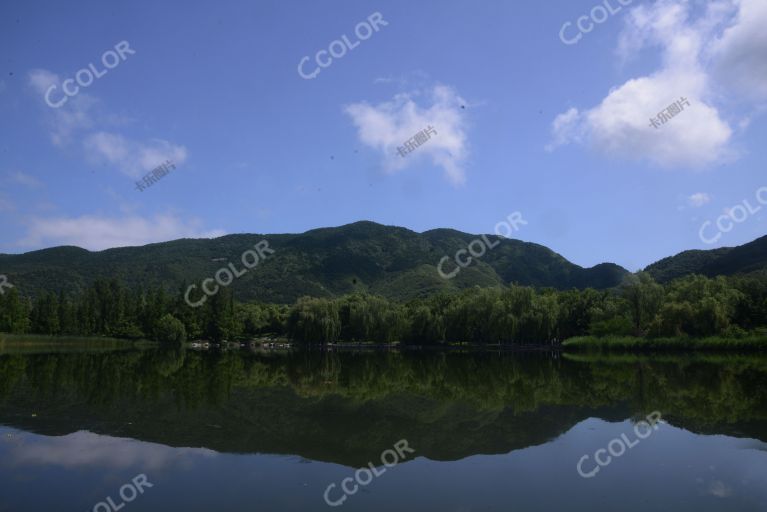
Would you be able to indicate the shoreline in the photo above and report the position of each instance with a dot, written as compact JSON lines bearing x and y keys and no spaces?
{"x":753,"y":343}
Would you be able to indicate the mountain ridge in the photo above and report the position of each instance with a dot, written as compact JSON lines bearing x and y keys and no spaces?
{"x":363,"y":256}
{"x":741,"y":259}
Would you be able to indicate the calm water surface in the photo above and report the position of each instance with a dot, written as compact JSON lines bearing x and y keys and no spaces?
{"x":239,"y":431}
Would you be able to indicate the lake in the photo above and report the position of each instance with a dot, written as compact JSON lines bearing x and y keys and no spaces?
{"x":157,"y":430}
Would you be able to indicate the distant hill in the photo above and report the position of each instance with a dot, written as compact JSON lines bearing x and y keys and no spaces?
{"x":723,"y":261}
{"x":386,"y":260}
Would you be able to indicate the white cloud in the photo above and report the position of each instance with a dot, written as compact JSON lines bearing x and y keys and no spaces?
{"x":620,"y":126}
{"x":132,"y":158}
{"x":698,"y":199}
{"x":42,"y":79}
{"x":65,"y":122}
{"x":388,"y":125}
{"x":566,"y":129}
{"x":694,"y":44}
{"x":80,"y":116}
{"x":740,"y":54}
{"x":26,"y":180}
{"x":719,"y":489}
{"x":98,"y":233}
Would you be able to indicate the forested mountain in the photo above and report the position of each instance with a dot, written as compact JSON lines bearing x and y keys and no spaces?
{"x":368,"y":282}
{"x":367,"y":257}
{"x":725,"y":261}
{"x":363,"y":257}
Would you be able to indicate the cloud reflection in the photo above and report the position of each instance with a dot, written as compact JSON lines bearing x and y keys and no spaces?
{"x":82,"y":449}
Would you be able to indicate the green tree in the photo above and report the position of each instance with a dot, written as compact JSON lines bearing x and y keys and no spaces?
{"x":644,"y":297}
{"x":170,"y":330}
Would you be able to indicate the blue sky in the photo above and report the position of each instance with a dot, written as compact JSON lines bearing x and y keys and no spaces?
{"x":524,"y":122}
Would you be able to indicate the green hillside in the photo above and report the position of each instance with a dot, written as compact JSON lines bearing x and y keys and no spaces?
{"x":362,"y":257}
{"x":726,"y":261}
{"x":365,"y":257}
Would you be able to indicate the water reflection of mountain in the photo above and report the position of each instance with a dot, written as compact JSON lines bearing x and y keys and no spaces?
{"x":347,"y":408}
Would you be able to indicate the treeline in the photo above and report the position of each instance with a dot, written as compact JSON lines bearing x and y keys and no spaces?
{"x":107,"y":308}
{"x":694,"y":306}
